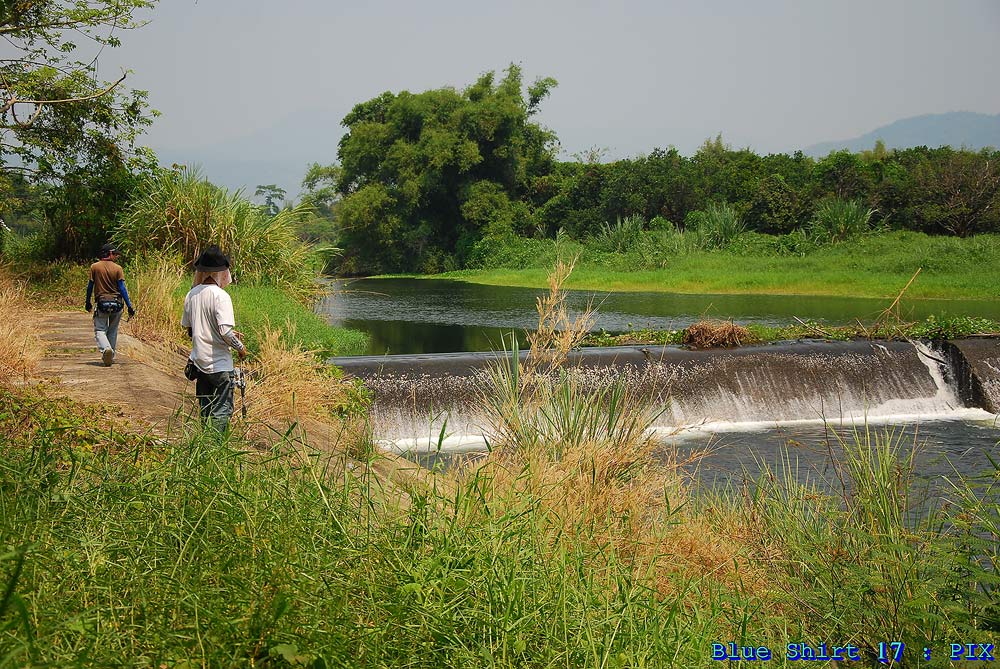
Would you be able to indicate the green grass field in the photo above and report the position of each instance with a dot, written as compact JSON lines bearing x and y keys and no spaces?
{"x":877,"y":265}
{"x":260,"y":306}
{"x":122,"y":550}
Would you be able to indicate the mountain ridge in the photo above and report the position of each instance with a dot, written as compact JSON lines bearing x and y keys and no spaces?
{"x":957,"y":129}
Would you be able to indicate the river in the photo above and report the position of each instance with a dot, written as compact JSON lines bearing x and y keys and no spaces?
{"x":407,"y":316}
{"x":410,"y":316}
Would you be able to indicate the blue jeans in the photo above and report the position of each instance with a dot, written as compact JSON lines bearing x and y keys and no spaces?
{"x":215,"y":396}
{"x":106,"y":329}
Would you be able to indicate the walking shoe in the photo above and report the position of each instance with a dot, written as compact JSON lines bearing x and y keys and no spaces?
{"x":107,"y":355}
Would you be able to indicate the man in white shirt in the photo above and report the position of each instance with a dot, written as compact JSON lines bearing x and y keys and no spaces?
{"x":211,"y":324}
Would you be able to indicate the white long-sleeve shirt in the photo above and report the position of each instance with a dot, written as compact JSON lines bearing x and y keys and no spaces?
{"x":208,"y":311}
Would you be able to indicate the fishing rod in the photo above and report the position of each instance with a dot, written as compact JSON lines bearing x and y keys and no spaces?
{"x":240,"y":381}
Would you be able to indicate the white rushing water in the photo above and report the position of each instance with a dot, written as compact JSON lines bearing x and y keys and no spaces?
{"x":881,"y":387}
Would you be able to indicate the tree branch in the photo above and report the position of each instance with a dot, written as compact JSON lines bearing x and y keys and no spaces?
{"x":39,"y":104}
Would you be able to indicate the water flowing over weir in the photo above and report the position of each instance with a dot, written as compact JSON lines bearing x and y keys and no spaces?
{"x":426,"y":401}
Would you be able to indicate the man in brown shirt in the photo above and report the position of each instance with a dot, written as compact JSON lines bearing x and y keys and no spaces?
{"x":107,"y":285}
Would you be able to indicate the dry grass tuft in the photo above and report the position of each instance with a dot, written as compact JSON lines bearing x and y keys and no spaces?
{"x":286,"y":382}
{"x":20,"y":346}
{"x":717,"y":334}
{"x":153,"y":285}
{"x":557,"y":334}
{"x":585,"y":457}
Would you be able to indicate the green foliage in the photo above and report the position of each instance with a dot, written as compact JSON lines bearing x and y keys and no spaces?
{"x":717,"y":226}
{"x":837,"y":220}
{"x":61,"y":125}
{"x":273,"y":196}
{"x":260,"y":306}
{"x":424,"y":176}
{"x":179,"y":212}
{"x":620,"y":237}
{"x":956,"y":192}
{"x":935,"y":327}
{"x":510,"y":252}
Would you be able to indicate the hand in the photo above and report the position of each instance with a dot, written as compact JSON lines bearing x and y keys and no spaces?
{"x":242,"y":353}
{"x":131,"y":312}
{"x":88,"y":306}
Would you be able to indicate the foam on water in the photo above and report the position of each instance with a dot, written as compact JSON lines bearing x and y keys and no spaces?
{"x":838,"y":384}
{"x":472,"y":443}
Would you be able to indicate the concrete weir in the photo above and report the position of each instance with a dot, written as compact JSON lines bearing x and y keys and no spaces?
{"x":423,"y":401}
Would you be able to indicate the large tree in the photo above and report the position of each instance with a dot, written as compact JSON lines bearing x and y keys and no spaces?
{"x":426,"y":175}
{"x":60,"y":124}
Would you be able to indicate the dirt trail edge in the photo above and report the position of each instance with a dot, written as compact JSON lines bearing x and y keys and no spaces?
{"x":145,"y":381}
{"x":148,"y":384}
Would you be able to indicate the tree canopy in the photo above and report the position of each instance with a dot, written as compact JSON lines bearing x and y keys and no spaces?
{"x":426,"y":175}
{"x":60,"y":124}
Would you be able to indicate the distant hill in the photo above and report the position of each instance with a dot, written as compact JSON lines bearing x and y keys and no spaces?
{"x":956,"y":129}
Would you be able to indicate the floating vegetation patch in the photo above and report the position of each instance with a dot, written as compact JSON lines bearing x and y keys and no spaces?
{"x":717,"y":334}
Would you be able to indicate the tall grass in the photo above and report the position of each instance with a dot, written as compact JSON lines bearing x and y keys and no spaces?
{"x":837,"y":220}
{"x":620,"y":237}
{"x":181,"y":213}
{"x":214,"y":555}
{"x":873,"y":560}
{"x":155,"y":283}
{"x":718,"y":225}
{"x":122,"y":550}
{"x":287,"y":381}
{"x":20,"y":346}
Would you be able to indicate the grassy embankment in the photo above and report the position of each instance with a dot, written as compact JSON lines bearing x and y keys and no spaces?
{"x":576,"y":543}
{"x":158,"y":288}
{"x":871,"y":265}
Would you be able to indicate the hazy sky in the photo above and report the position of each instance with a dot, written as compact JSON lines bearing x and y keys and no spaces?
{"x":774,"y":75}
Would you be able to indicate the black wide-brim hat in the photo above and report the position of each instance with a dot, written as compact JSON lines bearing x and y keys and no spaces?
{"x":212,"y":259}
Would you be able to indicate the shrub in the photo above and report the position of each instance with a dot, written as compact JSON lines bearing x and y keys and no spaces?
{"x":621,"y":237}
{"x":660,"y":223}
{"x":180,"y":212}
{"x":837,"y":220}
{"x":717,"y":225}
{"x":511,"y":252}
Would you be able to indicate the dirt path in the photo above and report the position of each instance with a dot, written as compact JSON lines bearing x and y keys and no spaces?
{"x":145,"y":381}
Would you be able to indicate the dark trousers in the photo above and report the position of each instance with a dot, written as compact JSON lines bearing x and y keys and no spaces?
{"x":215,"y":396}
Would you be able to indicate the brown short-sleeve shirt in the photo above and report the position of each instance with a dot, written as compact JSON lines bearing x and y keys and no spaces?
{"x":105,"y":274}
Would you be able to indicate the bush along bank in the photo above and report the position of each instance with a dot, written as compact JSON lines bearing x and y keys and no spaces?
{"x":721,"y":334}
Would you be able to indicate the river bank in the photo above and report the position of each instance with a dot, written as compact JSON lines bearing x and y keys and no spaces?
{"x":876,"y":265}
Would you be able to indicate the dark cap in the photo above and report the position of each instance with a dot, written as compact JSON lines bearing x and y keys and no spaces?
{"x":108,"y":249}
{"x":212,"y":259}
